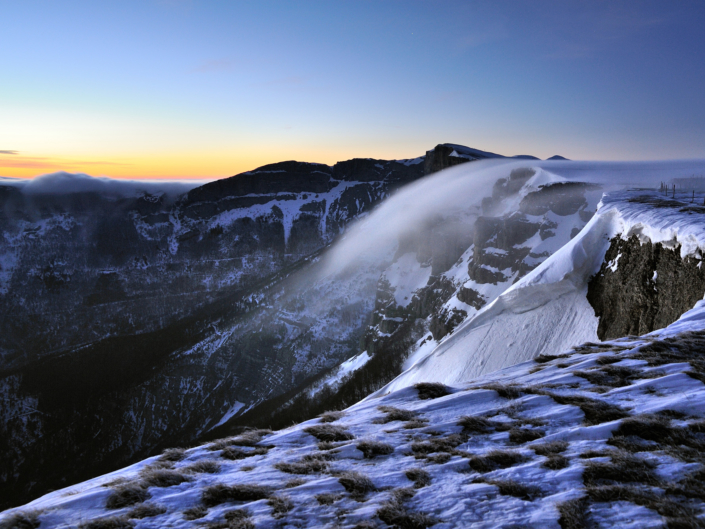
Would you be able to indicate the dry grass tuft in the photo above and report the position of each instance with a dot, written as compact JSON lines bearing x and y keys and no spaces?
{"x":126,"y":495}
{"x":495,"y":459}
{"x":542,"y":358}
{"x":419,"y":476}
{"x":22,"y":520}
{"x":550,"y":448}
{"x":372,"y":449}
{"x":309,"y":464}
{"x":431,"y":390}
{"x":441,"y":444}
{"x":173,"y":454}
{"x":505,"y":391}
{"x":218,"y":494}
{"x":235,"y":454}
{"x":294,"y":483}
{"x":331,"y":416}
{"x":555,"y":462}
{"x":194,"y":513}
{"x":329,"y":432}
{"x":356,"y":484}
{"x":439,"y":459}
{"x":394,"y":513}
{"x":596,"y":411}
{"x":146,"y":510}
{"x":513,"y":488}
{"x":415,"y":423}
{"x":235,"y":519}
{"x":204,"y":466}
{"x":610,"y":376}
{"x":111,"y":522}
{"x":472,"y":424}
{"x":573,"y":514}
{"x":280,"y":505}
{"x":521,"y":436}
{"x":623,"y":468}
{"x":327,"y":499}
{"x":394,"y":414}
{"x":159,"y":477}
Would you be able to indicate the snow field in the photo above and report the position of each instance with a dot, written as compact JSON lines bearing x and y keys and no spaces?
{"x":529,"y":445}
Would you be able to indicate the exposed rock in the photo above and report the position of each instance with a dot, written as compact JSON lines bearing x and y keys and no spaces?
{"x":643,"y":287}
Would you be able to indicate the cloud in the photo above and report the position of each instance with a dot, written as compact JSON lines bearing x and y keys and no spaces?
{"x":67,"y":183}
{"x":9,"y":152}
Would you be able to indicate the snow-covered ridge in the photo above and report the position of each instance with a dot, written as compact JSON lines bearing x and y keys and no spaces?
{"x":606,"y":432}
{"x":547,"y":311}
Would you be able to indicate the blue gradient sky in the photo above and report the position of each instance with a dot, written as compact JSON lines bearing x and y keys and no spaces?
{"x":207,"y":89}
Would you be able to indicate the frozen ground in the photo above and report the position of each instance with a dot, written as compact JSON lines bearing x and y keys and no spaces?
{"x":609,"y":434}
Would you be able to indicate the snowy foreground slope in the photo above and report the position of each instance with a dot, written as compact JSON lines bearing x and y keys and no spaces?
{"x":610,"y":434}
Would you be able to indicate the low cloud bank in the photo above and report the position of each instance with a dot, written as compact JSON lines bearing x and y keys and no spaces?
{"x":67,"y":183}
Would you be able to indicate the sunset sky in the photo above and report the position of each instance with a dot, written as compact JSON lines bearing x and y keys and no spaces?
{"x":188,"y":89}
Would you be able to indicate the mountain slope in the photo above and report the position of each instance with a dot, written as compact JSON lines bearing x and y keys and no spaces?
{"x":606,"y":433}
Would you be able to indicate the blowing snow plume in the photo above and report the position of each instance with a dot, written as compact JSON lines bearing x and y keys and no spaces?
{"x":518,"y":316}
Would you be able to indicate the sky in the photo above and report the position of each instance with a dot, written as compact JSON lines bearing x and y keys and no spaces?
{"x":188,"y":89}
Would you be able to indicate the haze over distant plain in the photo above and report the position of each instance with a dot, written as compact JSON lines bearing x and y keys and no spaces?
{"x":185,"y":89}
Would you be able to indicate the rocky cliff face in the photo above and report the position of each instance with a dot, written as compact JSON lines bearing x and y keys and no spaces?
{"x":442,"y":274}
{"x":131,"y":323}
{"x":643,"y":286}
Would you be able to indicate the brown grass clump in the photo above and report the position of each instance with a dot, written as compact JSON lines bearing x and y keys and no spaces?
{"x":294,"y":483}
{"x":521,"y":436}
{"x":555,"y":462}
{"x":235,"y":454}
{"x":419,"y":476}
{"x":235,"y":519}
{"x":194,"y":513}
{"x":247,"y":438}
{"x":442,"y":444}
{"x":22,"y":520}
{"x":331,"y":416}
{"x":372,"y":449}
{"x":415,"y":423}
{"x":550,"y":448}
{"x":623,"y":468}
{"x":160,"y":477}
{"x":596,"y":411}
{"x":309,"y":464}
{"x":173,"y":454}
{"x":127,"y":495}
{"x":111,"y":522}
{"x":327,"y":499}
{"x":356,"y":484}
{"x":610,"y":376}
{"x":329,"y":432}
{"x":438,"y":459}
{"x":394,"y":414}
{"x":495,"y":459}
{"x":543,"y":358}
{"x":676,"y":512}
{"x":472,"y":424}
{"x":573,"y":514}
{"x":146,"y":510}
{"x":280,"y":505}
{"x":218,"y":494}
{"x":394,"y":513}
{"x":513,"y":488}
{"x":431,"y":390}
{"x":505,"y":391}
{"x":204,"y":466}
